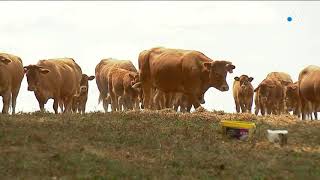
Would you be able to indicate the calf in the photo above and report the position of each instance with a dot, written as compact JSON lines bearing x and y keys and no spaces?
{"x":243,"y":93}
{"x":292,"y":98}
{"x":269,"y":97}
{"x":121,"y":88}
{"x":80,"y":99}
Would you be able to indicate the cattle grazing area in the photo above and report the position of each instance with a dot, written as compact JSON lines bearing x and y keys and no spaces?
{"x":153,"y":145}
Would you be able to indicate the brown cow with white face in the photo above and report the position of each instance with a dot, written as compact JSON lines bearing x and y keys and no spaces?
{"x":80,"y":99}
{"x":102,"y":71}
{"x":309,"y":89}
{"x":11,"y":75}
{"x":177,"y":70}
{"x":243,"y":93}
{"x":58,"y":79}
{"x":122,"y":92}
{"x":269,"y":97}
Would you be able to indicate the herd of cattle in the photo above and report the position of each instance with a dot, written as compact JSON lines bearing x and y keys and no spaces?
{"x":167,"y":78}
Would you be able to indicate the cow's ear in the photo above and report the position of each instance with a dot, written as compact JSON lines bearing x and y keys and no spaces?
{"x":236,"y":78}
{"x":207,"y":65}
{"x":230,"y":68}
{"x":131,"y":75}
{"x":25,"y":69}
{"x":136,"y":85}
{"x":91,"y":78}
{"x":250,"y":79}
{"x":44,"y":71}
{"x":5,"y":60}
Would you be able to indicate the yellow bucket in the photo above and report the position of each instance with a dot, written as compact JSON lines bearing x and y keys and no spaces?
{"x":238,"y":129}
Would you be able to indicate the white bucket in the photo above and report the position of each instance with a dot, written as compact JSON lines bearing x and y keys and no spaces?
{"x":277,"y":136}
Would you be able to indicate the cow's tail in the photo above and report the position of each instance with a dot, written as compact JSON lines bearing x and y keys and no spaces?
{"x":143,"y":61}
{"x":102,"y":96}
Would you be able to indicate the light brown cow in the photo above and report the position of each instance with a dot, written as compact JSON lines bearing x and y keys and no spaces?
{"x":243,"y":93}
{"x":177,"y":70}
{"x":309,"y":89}
{"x":120,"y":82}
{"x":11,"y":75}
{"x":58,"y":79}
{"x":284,"y":79}
{"x":269,"y":97}
{"x":80,"y":99}
{"x":292,"y":98}
{"x":102,"y":72}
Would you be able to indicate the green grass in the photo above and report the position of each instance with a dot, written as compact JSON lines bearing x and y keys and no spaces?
{"x":153,"y":145}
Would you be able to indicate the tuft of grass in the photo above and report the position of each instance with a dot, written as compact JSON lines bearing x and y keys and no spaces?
{"x":153,"y":145}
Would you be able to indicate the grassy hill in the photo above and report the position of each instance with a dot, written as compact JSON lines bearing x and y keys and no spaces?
{"x":153,"y":145}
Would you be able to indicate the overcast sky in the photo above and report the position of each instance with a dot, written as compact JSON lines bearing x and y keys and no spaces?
{"x":255,"y":36}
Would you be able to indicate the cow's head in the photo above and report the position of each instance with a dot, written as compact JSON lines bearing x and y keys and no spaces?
{"x":4,"y":60}
{"x":34,"y":73}
{"x":218,"y":71}
{"x":265,"y":88}
{"x":84,"y":85}
{"x":135,"y":80}
{"x":245,"y":81}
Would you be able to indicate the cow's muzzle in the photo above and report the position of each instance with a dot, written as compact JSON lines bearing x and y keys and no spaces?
{"x":83,"y":89}
{"x":224,"y":88}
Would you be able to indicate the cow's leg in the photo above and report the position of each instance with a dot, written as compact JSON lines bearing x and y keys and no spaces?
{"x":263,"y":109}
{"x":55,"y":105}
{"x":114,"y":100}
{"x":106,"y":101}
{"x":6,"y":98}
{"x":243,"y":107}
{"x":147,"y":89}
{"x":249,"y":105}
{"x":68,"y":100}
{"x":122,"y":103}
{"x":194,"y":101}
{"x":237,"y":106}
{"x":14,"y":96}
{"x":168,"y":100}
{"x":257,"y":104}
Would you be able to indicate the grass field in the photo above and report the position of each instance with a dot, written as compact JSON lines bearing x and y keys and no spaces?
{"x":153,"y":145}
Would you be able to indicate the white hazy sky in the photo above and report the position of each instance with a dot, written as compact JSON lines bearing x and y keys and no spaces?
{"x":255,"y":36}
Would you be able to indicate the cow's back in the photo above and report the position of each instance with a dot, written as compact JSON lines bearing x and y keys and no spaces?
{"x":15,"y":69}
{"x":281,"y":76}
{"x":65,"y":73}
{"x":309,"y":83}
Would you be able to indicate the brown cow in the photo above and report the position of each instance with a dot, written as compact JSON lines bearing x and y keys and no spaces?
{"x":177,"y":70}
{"x":269,"y":97}
{"x":102,"y":71}
{"x":11,"y":73}
{"x":284,"y":79}
{"x":293,"y":99}
{"x":243,"y":93}
{"x":80,"y":99}
{"x":120,"y":82}
{"x":58,"y":79}
{"x":309,"y":89}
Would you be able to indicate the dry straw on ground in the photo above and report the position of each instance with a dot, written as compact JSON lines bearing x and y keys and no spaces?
{"x":153,"y":145}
